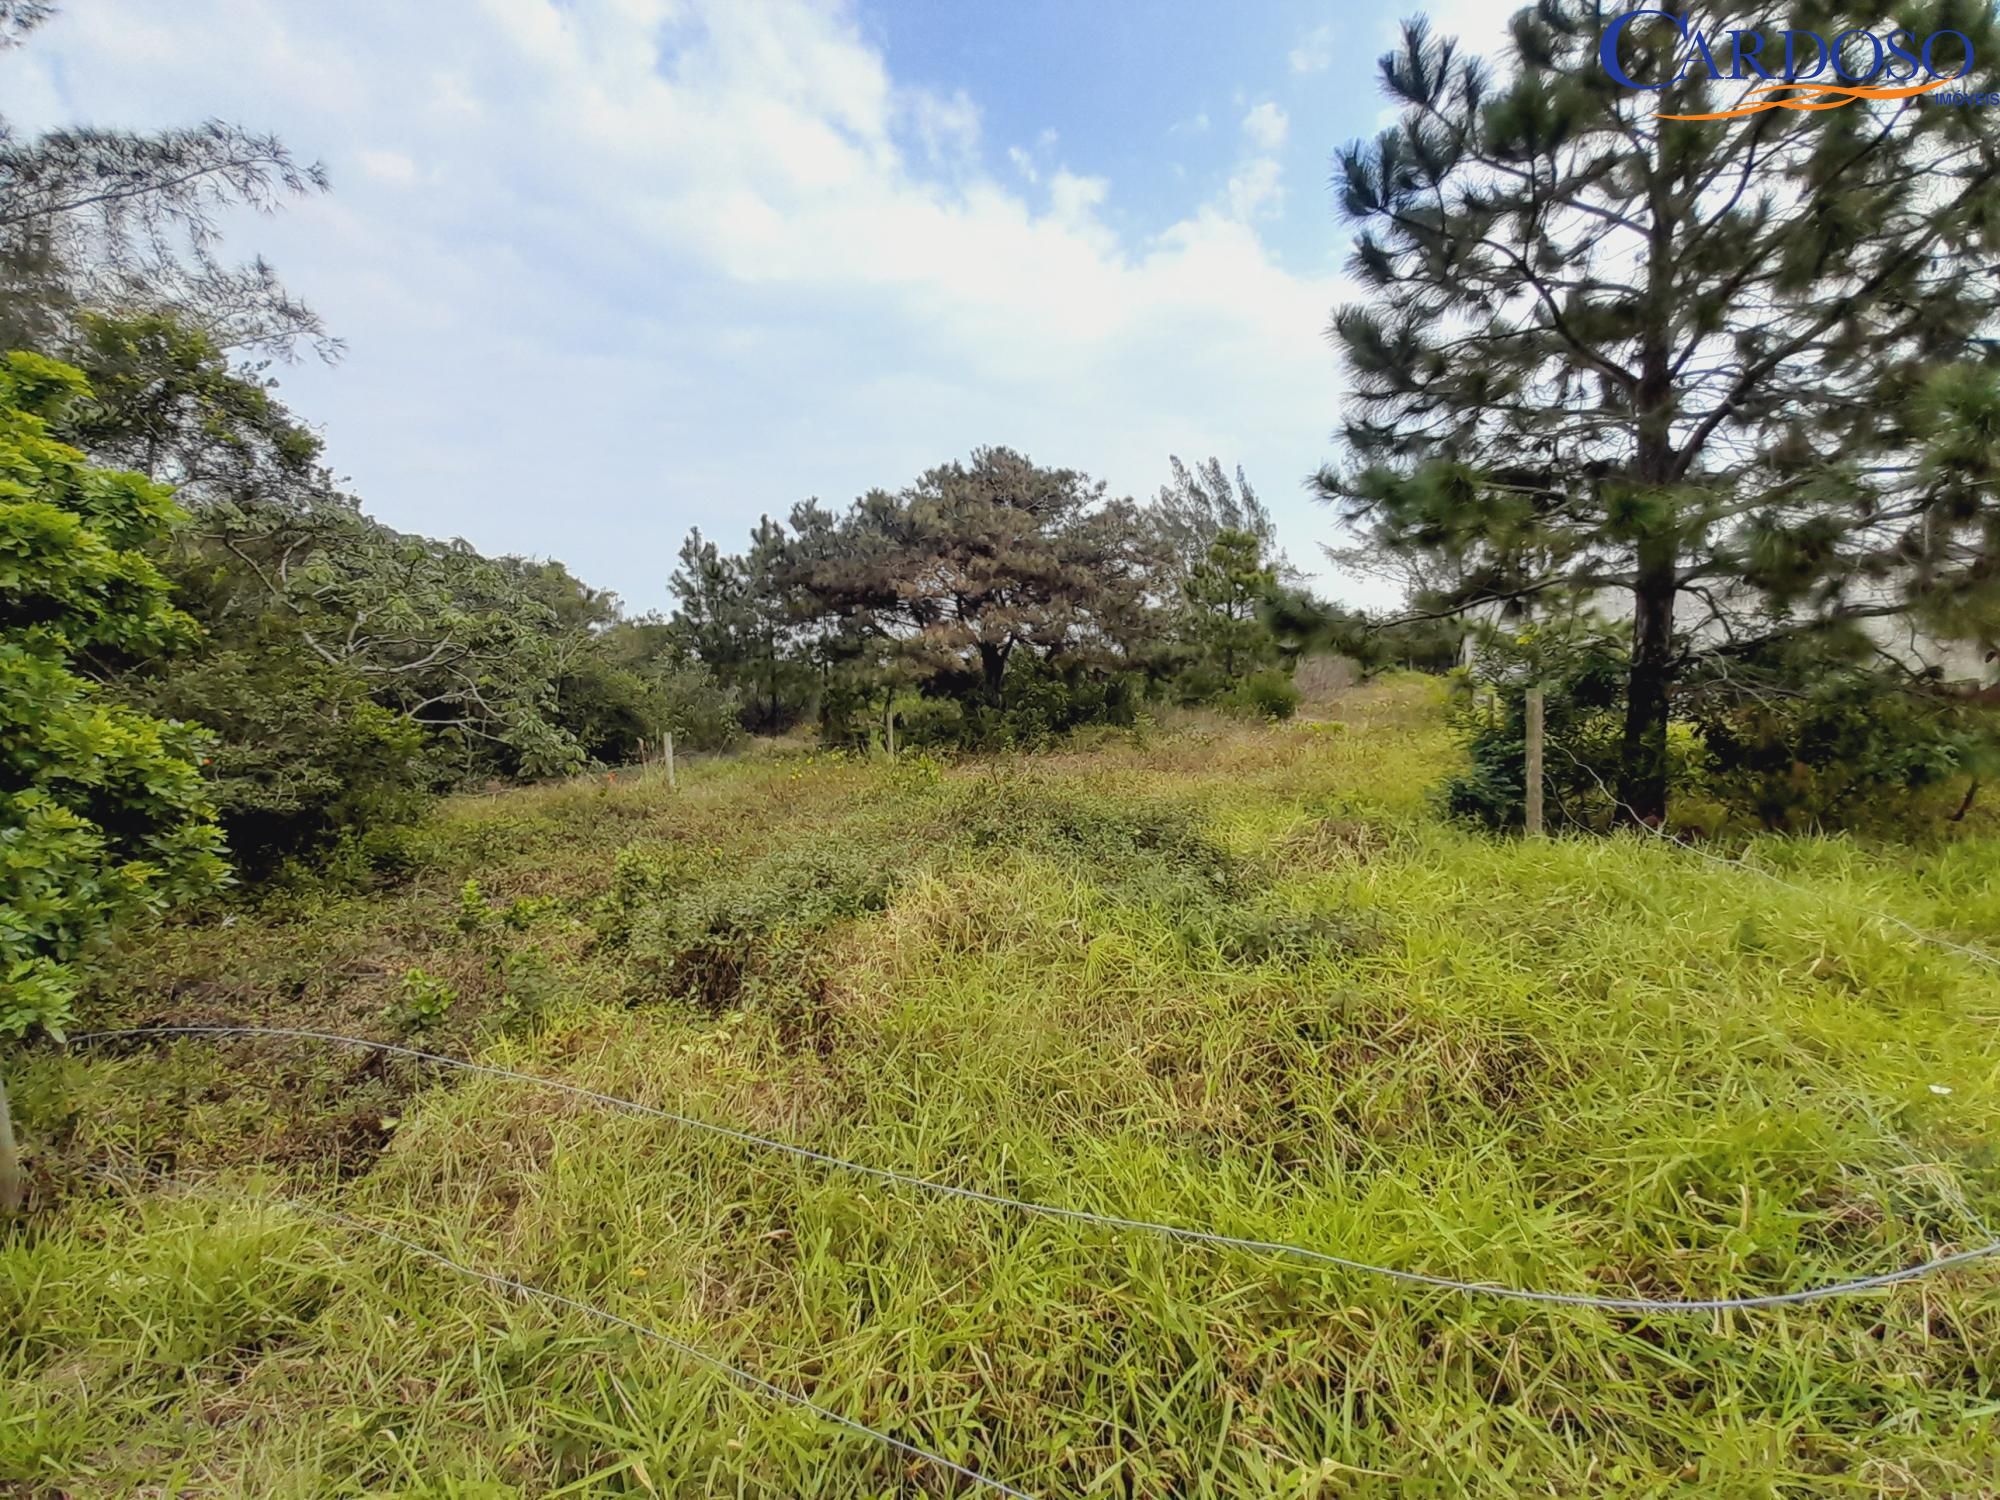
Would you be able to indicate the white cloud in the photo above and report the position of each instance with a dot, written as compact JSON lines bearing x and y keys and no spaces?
{"x":681,"y":264}
{"x":1255,"y":188}
{"x":1314,"y":52}
{"x":1074,"y":199}
{"x":389,"y":166}
{"x":1266,"y":126}
{"x":947,"y":128}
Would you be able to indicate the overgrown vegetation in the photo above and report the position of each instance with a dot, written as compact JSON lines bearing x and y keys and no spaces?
{"x":1032,"y":882}
{"x":1800,"y":738}
{"x":1233,"y":977}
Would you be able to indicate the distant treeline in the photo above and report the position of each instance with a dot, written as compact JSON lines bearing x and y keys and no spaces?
{"x":998,"y":603}
{"x":345,"y":672}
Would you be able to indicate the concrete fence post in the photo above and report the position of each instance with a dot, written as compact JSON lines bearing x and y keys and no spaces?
{"x":1534,"y":767}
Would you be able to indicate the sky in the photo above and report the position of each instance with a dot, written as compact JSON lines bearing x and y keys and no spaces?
{"x":610,"y":269}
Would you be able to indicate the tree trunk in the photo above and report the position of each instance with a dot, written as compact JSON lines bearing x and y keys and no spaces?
{"x":1642,"y":759}
{"x":993,"y":667}
{"x":1642,"y":772}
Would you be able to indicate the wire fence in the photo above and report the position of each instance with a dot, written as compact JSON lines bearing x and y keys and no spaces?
{"x":1116,"y":1222}
{"x":741,"y":1377}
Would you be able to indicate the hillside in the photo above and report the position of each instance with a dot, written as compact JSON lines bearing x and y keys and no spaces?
{"x":1227,"y":977}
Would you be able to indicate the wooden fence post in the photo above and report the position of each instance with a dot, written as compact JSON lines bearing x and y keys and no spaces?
{"x":10,"y":1161}
{"x":889,"y":723}
{"x":1534,"y":768}
{"x":672,"y":785}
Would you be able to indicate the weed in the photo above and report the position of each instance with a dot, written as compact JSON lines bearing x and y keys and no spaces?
{"x":524,"y":911}
{"x":528,"y":989}
{"x":474,"y":913}
{"x":423,"y":1002}
{"x":706,"y":943}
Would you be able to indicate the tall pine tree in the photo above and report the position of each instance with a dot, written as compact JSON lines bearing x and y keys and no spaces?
{"x":1686,"y":360}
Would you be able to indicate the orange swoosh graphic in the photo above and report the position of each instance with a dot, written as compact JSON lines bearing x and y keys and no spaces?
{"x":1848,"y":92}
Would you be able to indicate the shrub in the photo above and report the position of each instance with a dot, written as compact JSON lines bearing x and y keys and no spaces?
{"x":425,"y":1002}
{"x":1268,"y":694}
{"x":524,"y":911}
{"x":1145,"y":853}
{"x":1580,"y":665}
{"x":1801,"y":737}
{"x":303,"y":760}
{"x":474,"y":912}
{"x":643,"y":878}
{"x":1040,"y":702}
{"x":528,"y":988}
{"x":1848,"y":748}
{"x":707,"y":939}
{"x":931,"y":723}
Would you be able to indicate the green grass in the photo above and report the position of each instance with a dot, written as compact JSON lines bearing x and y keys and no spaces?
{"x":1233,"y":978}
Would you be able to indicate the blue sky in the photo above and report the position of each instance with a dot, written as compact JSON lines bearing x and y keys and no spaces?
{"x":608,"y":269}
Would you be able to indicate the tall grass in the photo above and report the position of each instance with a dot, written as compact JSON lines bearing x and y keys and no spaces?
{"x":1231,"y":978}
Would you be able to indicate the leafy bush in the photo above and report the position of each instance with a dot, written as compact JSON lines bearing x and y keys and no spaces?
{"x":1146,"y":853}
{"x":1042,"y":700}
{"x":1268,"y":694}
{"x":425,"y":1001}
{"x":303,"y":761}
{"x":524,"y":911}
{"x":1580,"y":665}
{"x":103,"y":816}
{"x":931,"y":723}
{"x":1799,"y":738}
{"x":1160,"y":858}
{"x":474,"y":911}
{"x":1849,"y":748}
{"x":708,"y":939}
{"x":528,"y":987}
{"x":643,"y":878}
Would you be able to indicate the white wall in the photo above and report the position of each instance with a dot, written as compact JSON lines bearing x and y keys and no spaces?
{"x":1900,"y":637}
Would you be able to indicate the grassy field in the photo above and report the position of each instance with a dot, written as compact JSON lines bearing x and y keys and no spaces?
{"x":1230,"y":977}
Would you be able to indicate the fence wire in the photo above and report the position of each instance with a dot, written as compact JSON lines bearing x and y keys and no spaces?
{"x":701,"y":1357}
{"x":1117,"y":1222}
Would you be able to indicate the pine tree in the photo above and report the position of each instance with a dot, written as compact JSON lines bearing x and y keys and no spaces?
{"x":1223,"y":598}
{"x":976,"y":561}
{"x":1601,"y":349}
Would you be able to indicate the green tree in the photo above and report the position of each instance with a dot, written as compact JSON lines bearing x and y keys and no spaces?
{"x":102,"y":811}
{"x":1606,"y":350}
{"x":1225,"y":595}
{"x":1200,"y":504}
{"x":166,"y":402}
{"x":739,"y":615}
{"x":92,"y":218}
{"x":976,"y":561}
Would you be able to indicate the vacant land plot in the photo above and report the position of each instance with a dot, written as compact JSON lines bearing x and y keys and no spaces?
{"x":1232,"y":978}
